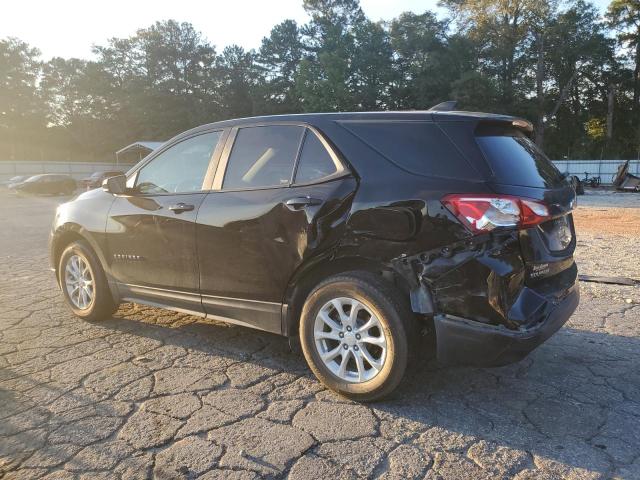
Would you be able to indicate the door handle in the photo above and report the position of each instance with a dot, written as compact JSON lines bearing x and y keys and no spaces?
{"x":181,"y":207}
{"x":298,"y":203}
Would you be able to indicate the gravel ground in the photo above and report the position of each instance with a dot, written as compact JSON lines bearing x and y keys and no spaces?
{"x":155,"y":393}
{"x":605,"y":197}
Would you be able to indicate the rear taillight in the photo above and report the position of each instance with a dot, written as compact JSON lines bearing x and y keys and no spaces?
{"x":483,"y":213}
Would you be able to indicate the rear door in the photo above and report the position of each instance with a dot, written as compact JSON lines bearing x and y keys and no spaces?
{"x":264,"y":217}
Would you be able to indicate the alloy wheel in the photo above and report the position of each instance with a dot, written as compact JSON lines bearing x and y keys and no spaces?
{"x":350,"y":339}
{"x":79,"y":282}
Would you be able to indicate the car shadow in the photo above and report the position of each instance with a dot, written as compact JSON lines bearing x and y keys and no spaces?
{"x":574,"y":402}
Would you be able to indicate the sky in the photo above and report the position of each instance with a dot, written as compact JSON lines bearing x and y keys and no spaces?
{"x":68,"y":28}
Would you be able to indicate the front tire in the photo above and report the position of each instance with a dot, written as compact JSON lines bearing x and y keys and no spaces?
{"x":84,"y":284}
{"x":354,"y":335}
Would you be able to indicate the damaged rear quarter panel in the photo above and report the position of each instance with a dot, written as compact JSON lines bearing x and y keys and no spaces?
{"x":446,"y":269}
{"x":479,"y":279}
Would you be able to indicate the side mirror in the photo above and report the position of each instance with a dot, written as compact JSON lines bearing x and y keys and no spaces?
{"x":116,"y":185}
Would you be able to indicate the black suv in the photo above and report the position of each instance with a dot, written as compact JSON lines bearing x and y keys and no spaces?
{"x":356,"y":231}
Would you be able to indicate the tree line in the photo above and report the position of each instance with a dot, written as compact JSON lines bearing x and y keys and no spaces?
{"x":573,"y":73}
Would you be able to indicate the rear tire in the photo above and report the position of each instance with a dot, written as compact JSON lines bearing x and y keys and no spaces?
{"x":84,"y":284}
{"x":382,"y":348}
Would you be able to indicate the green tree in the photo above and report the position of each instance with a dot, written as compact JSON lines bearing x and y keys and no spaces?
{"x":158,"y":82}
{"x":423,"y":63}
{"x":475,"y":91}
{"x":239,"y":77}
{"x":502,"y":30}
{"x":324,"y":77}
{"x":372,"y":72}
{"x":75,"y":106}
{"x":554,"y":62}
{"x":22,"y":111}
{"x":278,"y":58}
{"x":624,"y":17}
{"x":177,"y":59}
{"x":578,"y":58}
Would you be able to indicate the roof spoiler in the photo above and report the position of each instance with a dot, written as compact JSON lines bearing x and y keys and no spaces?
{"x":487,"y":124}
{"x":523,"y":124}
{"x":444,"y":106}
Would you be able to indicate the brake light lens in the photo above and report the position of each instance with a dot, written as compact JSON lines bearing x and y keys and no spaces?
{"x":483,"y":213}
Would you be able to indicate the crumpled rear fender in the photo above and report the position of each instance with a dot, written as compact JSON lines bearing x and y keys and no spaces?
{"x":480,"y":278}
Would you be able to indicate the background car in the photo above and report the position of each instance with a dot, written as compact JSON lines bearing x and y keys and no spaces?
{"x":95,"y":179}
{"x":47,"y":183}
{"x":13,"y":180}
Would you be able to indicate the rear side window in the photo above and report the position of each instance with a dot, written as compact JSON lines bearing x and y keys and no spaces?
{"x":315,"y":161}
{"x":419,"y":147}
{"x":263,"y":157}
{"x":516,"y":160}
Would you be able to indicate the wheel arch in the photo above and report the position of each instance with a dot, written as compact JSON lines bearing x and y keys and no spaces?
{"x":306,"y":279}
{"x":67,"y":234}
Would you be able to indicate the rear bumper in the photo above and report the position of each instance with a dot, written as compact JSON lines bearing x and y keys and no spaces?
{"x":467,"y":342}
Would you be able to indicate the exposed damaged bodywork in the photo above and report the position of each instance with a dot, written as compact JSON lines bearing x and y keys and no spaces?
{"x":480,"y":290}
{"x":479,"y":278}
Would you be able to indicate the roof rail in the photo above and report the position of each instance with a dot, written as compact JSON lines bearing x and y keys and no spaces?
{"x":444,"y":106}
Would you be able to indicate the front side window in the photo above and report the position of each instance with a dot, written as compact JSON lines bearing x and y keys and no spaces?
{"x":263,"y":157}
{"x":315,"y":161}
{"x":179,"y":169}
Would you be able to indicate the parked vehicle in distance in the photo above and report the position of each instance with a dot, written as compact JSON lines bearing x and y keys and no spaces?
{"x":46,"y":183}
{"x":95,"y":179}
{"x":354,"y":232}
{"x":13,"y":180}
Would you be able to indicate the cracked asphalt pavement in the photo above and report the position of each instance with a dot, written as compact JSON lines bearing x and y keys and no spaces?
{"x":151,"y":393}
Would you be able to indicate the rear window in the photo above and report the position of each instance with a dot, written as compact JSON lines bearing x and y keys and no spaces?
{"x":418,"y":147}
{"x":516,"y":160}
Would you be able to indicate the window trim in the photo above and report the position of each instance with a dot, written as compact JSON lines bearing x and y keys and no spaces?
{"x":222,"y":164}
{"x":132,"y":174}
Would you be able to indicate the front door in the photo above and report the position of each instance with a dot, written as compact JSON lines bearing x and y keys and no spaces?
{"x":151,"y":231}
{"x":255,"y":231}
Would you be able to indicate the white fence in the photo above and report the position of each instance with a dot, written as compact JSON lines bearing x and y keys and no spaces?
{"x":605,"y":169}
{"x":77,"y":170}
